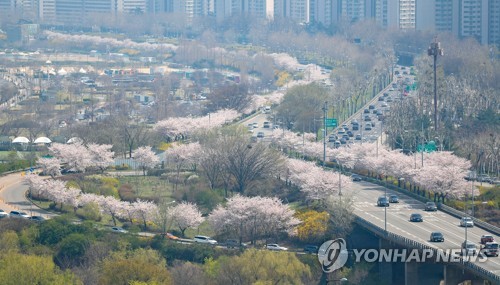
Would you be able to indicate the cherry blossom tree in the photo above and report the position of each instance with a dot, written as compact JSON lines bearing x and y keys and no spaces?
{"x":143,"y":210}
{"x":111,"y":206}
{"x":101,"y":155}
{"x":443,"y":173}
{"x":185,"y":215}
{"x":187,"y":125}
{"x":50,"y":166}
{"x":75,"y":156}
{"x":146,"y":158}
{"x":316,"y":183}
{"x":253,"y":217}
{"x":182,"y":155}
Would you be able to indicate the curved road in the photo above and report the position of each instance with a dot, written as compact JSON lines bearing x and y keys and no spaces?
{"x":12,"y":196}
{"x":365,"y":203}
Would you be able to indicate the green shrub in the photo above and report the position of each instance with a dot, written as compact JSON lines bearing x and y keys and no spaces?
{"x":90,"y":212}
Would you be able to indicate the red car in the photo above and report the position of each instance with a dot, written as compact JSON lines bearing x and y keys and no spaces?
{"x":487,"y":238}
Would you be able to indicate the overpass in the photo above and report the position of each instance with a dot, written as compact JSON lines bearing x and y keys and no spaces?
{"x":401,"y":233}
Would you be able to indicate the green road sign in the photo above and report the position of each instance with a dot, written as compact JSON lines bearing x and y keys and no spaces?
{"x":428,"y":147}
{"x":331,"y":123}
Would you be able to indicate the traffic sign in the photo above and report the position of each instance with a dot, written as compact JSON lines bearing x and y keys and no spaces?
{"x":332,"y":123}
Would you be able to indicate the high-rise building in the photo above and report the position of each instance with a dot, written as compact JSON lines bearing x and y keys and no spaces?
{"x":322,"y":11}
{"x":494,"y":23}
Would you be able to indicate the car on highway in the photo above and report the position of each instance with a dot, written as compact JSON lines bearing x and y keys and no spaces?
{"x":119,"y":230}
{"x":18,"y":214}
{"x":312,"y":249}
{"x":383,"y":201}
{"x":491,"y":249}
{"x":437,"y":237}
{"x":487,"y":238}
{"x":3,"y":214}
{"x":204,"y":239}
{"x":341,"y":131}
{"x":356,"y":177}
{"x":415,"y":217}
{"x":393,"y":199}
{"x":275,"y":246}
{"x":468,"y":248}
{"x":430,"y":206}
{"x":466,"y":222}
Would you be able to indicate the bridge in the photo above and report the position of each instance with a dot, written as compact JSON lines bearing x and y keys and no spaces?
{"x":401,"y":233}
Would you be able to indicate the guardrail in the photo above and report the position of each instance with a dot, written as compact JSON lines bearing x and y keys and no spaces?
{"x":409,"y":243}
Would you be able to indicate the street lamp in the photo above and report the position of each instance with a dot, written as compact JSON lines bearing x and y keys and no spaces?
{"x":325,"y":110}
{"x":434,"y":50}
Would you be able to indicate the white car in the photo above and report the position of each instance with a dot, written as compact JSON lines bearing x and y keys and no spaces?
{"x":205,"y":239}
{"x":466,"y":222}
{"x":275,"y":246}
{"x":3,"y":214}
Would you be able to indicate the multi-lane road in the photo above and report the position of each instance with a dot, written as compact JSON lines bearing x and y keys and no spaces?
{"x":365,"y":196}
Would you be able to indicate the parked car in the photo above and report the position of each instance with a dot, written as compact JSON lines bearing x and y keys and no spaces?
{"x":260,"y":134}
{"x":383,"y":201}
{"x":18,"y":214}
{"x":437,"y":237}
{"x":38,"y":219}
{"x":205,"y":239}
{"x":466,"y":222}
{"x":371,"y":107}
{"x":3,"y":214}
{"x":393,"y":199}
{"x":491,"y":249}
{"x":358,"y":137}
{"x":275,"y":246}
{"x":267,"y":125}
{"x":415,"y":217}
{"x":469,"y":248}
{"x":430,"y":206}
{"x":119,"y":230}
{"x":356,"y":177}
{"x":487,"y":238}
{"x":313,"y":249}
{"x":366,"y":111}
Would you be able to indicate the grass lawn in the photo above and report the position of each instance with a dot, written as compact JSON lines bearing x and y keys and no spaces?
{"x":148,"y":186}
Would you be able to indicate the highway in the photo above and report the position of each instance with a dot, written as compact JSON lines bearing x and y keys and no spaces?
{"x":365,"y":196}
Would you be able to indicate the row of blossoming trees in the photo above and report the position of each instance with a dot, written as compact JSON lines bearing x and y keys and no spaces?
{"x":441,"y":173}
{"x":264,"y":217}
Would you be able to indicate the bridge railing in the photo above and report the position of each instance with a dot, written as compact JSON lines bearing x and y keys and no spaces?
{"x":409,"y":243}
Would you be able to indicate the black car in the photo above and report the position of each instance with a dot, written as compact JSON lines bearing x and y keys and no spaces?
{"x":437,"y":236}
{"x":371,"y":107}
{"x":366,"y":111}
{"x":382,"y":201}
{"x":416,"y":218}
{"x":393,"y":199}
{"x":430,"y":206}
{"x":355,"y":127}
{"x":356,"y":177}
{"x":311,"y":249}
{"x":36,"y":218}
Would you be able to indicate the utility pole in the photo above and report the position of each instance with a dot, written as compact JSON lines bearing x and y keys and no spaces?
{"x":435,"y":50}
{"x":325,"y":110}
